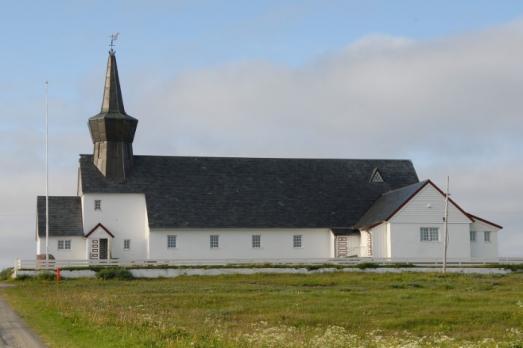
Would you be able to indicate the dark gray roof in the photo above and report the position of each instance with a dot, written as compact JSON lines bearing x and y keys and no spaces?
{"x":388,"y":204}
{"x":65,"y":216}
{"x":225,"y":192}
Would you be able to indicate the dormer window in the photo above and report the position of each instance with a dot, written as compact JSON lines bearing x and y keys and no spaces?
{"x":376,"y":176}
{"x":97,"y":204}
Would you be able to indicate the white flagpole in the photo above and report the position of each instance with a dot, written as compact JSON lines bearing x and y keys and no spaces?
{"x":446,"y":227}
{"x":46,"y":174}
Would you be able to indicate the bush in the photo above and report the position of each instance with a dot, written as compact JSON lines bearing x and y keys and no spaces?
{"x":365,"y":265}
{"x":6,"y":273}
{"x":23,"y":277}
{"x":114,"y":273}
{"x":45,"y":275}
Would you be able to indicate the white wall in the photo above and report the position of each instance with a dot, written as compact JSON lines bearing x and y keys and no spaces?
{"x":124,"y":214}
{"x":366,"y":244}
{"x":354,"y":244}
{"x":428,"y":206}
{"x":236,"y":244}
{"x":427,"y":209}
{"x":380,"y":241}
{"x":406,"y":243}
{"x":77,"y":251}
{"x":481,"y":249}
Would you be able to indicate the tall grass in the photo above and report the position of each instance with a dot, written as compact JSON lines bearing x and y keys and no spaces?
{"x":319,"y":310}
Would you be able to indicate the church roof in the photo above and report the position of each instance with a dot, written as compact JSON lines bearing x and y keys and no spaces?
{"x":230,"y":192}
{"x":389,"y":203}
{"x":65,"y":216}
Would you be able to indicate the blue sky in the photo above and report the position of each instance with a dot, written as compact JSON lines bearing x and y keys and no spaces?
{"x":43,"y":37}
{"x":270,"y":78}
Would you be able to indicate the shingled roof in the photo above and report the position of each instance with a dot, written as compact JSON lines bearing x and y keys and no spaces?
{"x":65,"y":216}
{"x":389,"y":202}
{"x":230,"y":192}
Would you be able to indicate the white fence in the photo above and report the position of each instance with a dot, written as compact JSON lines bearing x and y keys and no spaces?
{"x":53,"y":264}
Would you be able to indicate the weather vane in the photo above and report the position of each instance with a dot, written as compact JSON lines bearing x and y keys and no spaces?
{"x":114,"y":37}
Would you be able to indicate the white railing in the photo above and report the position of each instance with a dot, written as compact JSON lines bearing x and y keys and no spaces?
{"x":53,"y":264}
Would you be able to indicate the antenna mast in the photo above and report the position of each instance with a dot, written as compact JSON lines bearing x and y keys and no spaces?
{"x":446,"y":227}
{"x":46,"y":174}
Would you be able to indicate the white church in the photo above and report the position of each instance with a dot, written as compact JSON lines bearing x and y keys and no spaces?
{"x":133,"y":207}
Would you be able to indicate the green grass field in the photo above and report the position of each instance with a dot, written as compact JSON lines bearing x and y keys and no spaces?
{"x":323,"y":310}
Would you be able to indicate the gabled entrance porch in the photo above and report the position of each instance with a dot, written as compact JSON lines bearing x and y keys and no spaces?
{"x":98,"y":246}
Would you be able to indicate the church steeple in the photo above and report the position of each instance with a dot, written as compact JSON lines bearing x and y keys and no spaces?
{"x":112,"y":101}
{"x":112,"y":130}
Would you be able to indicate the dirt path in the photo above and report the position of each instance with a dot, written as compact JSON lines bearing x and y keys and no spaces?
{"x":14,"y":333}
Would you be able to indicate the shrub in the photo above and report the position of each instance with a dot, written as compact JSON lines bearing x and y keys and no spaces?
{"x":23,"y":277}
{"x":114,"y":273}
{"x":45,"y":275}
{"x":365,"y":265}
{"x":6,"y":273}
{"x":402,"y":265}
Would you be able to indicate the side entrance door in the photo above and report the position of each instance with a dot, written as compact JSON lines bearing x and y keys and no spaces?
{"x":341,"y":246}
{"x":103,"y":248}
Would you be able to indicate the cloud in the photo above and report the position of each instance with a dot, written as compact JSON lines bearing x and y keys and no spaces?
{"x":453,"y":105}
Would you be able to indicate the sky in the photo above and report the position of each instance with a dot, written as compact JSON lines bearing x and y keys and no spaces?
{"x":437,"y":82}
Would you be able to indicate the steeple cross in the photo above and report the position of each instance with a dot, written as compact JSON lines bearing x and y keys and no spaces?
{"x":114,"y":37}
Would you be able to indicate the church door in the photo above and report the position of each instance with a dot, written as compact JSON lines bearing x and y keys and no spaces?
{"x":341,"y":246}
{"x":103,"y":248}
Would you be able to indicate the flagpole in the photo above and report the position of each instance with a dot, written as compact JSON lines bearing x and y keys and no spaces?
{"x":46,"y":174}
{"x":446,"y":228}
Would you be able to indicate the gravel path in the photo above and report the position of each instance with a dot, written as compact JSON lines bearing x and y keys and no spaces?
{"x":14,"y":333}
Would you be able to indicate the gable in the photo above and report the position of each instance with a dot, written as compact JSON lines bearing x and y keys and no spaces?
{"x":428,"y":206}
{"x":388,"y":204}
{"x":227,"y":192}
{"x":99,"y":231}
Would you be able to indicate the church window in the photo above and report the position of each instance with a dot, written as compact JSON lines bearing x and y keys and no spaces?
{"x":126,"y":244}
{"x":171,"y":241}
{"x":297,"y":241}
{"x":214,"y":241}
{"x":487,"y":236}
{"x":472,"y":236}
{"x":256,"y":241}
{"x":429,"y":234}
{"x":376,"y":176}
{"x":97,"y":204}
{"x":64,"y":244}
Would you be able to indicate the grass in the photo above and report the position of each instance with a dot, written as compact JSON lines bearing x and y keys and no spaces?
{"x":314,"y":310}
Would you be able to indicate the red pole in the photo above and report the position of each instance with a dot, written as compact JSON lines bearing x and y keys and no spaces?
{"x":58,"y":273}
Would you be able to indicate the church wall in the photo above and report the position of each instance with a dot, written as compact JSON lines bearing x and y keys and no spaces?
{"x":481,"y":248}
{"x":77,"y":251}
{"x":406,"y":243}
{"x":380,"y":241}
{"x":428,"y":206}
{"x":124,"y":215}
{"x":237,"y":244}
{"x":427,"y":209}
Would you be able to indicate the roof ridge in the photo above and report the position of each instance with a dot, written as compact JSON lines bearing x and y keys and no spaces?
{"x":274,"y":158}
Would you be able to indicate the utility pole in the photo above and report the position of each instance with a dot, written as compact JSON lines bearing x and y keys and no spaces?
{"x":446,"y":227}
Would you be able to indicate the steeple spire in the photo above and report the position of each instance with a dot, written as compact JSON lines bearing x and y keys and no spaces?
{"x":112,"y":101}
{"x":112,"y":130}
